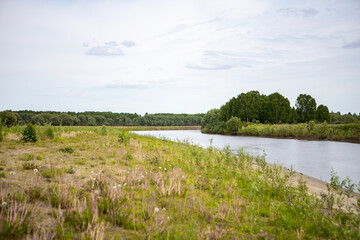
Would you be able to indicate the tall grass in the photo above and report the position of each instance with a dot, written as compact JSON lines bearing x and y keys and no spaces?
{"x":165,"y":190}
{"x":323,"y":131}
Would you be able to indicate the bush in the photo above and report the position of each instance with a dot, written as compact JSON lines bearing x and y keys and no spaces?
{"x":232,"y":125}
{"x":124,"y":137}
{"x":1,"y":132}
{"x":49,"y":131}
{"x":29,"y":133}
{"x":66,"y":150}
{"x":103,"y":130}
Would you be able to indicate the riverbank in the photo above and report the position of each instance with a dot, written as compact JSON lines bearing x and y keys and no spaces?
{"x":304,"y":131}
{"x":108,"y":184}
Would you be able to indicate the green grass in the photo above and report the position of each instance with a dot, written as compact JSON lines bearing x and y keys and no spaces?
{"x":148,"y":188}
{"x":323,"y":131}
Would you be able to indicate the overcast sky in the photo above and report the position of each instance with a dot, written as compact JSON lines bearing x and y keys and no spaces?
{"x":184,"y":56}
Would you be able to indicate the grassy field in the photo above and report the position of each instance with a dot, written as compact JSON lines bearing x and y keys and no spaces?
{"x":105,"y":183}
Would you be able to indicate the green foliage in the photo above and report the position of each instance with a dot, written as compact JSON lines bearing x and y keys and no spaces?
{"x":1,"y":131}
{"x":29,"y":133}
{"x":108,"y":119}
{"x":311,"y":126}
{"x":8,"y":118}
{"x":211,"y":123}
{"x":124,"y":137}
{"x":103,"y":131}
{"x":29,"y":166}
{"x":277,"y":109}
{"x":49,"y":131}
{"x":322,"y":114}
{"x":14,"y":220}
{"x":305,"y":108}
{"x":233,"y":125}
{"x":66,"y":150}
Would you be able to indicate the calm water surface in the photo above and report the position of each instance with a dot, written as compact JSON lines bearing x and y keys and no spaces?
{"x":313,"y":158}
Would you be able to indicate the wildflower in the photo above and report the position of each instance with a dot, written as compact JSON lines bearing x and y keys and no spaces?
{"x":114,"y":187}
{"x":165,"y":169}
{"x":142,"y":176}
{"x":164,"y":209}
{"x":159,"y":167}
{"x":92,"y":172}
{"x":183,"y":176}
{"x":12,"y":173}
{"x":156,"y":210}
{"x":35,"y":170}
{"x":119,"y":185}
{"x":124,"y":184}
{"x":4,"y":204}
{"x":97,"y":192}
{"x":168,"y":218}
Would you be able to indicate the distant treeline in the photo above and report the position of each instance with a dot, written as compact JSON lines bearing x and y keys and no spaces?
{"x":10,"y":118}
{"x":254,"y":107}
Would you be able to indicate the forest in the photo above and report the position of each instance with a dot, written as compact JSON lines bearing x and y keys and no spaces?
{"x":242,"y":114}
{"x":10,"y":118}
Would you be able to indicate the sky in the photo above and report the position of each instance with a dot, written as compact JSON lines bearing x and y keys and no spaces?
{"x":186,"y":56}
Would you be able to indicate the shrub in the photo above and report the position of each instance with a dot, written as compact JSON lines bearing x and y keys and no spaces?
{"x":29,"y":133}
{"x":232,"y":125}
{"x":49,"y":131}
{"x":103,"y":130}
{"x":29,"y":166}
{"x":66,"y":150}
{"x":1,"y":131}
{"x":124,"y":137}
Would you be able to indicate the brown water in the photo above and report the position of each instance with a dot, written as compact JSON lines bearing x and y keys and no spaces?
{"x":313,"y":158}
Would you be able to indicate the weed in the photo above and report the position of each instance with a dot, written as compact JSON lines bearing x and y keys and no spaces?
{"x":103,"y":131}
{"x":14,"y":219}
{"x":49,"y":131}
{"x":124,"y":137}
{"x":29,"y":166}
{"x":2,"y":175}
{"x":66,"y":150}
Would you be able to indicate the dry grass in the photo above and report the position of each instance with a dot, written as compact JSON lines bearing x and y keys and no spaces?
{"x":149,"y":189}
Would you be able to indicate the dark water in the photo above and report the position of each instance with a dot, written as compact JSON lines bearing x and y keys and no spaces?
{"x":313,"y":158}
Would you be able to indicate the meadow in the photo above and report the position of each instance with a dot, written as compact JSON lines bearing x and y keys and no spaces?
{"x":107,"y":183}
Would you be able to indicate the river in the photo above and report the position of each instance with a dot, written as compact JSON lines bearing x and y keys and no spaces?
{"x":313,"y":158}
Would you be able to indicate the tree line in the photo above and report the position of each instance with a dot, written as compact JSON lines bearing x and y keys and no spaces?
{"x":272,"y":109}
{"x":10,"y":118}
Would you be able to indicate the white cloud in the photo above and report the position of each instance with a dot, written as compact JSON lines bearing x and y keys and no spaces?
{"x":212,"y":49}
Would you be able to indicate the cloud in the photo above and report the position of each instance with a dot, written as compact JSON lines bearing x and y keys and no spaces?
{"x":354,"y":44}
{"x":128,"y":44}
{"x":111,"y":44}
{"x":125,"y":85}
{"x":295,"y":12}
{"x":211,"y":67}
{"x":104,"y":51}
{"x":309,"y":12}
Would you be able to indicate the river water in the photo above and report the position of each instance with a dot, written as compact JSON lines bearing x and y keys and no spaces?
{"x":312,"y":158}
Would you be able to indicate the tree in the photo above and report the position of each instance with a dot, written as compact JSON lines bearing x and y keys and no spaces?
{"x":210,"y":121}
{"x":305,"y":108}
{"x":322,"y":113}
{"x":8,"y":118}
{"x":233,"y":125}
{"x":277,"y":109}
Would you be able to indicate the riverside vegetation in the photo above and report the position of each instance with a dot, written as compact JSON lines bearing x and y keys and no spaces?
{"x":252,"y":114}
{"x":107,"y":183}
